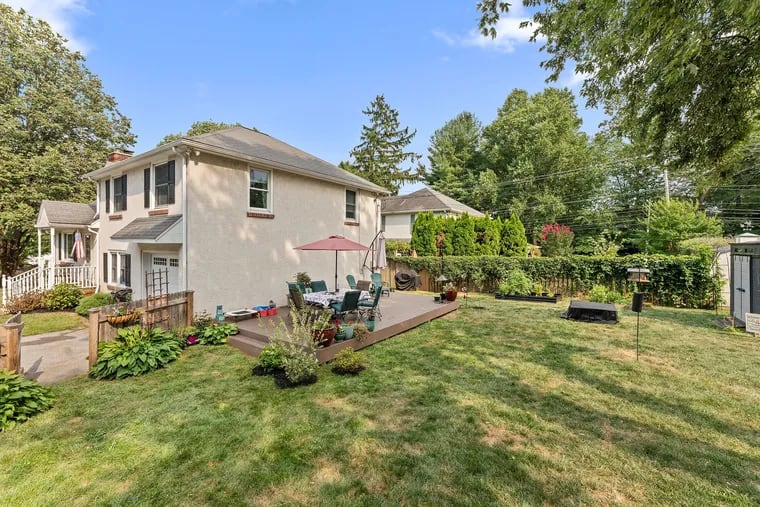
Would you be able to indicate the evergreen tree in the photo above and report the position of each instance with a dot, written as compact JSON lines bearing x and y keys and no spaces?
{"x":380,"y":155}
{"x":513,"y":240}
{"x":463,"y":239}
{"x":455,"y":159}
{"x":56,"y":124}
{"x":487,"y":236}
{"x":424,"y":234}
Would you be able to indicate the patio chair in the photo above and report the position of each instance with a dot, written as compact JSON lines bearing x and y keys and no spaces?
{"x":377,"y":280}
{"x":351,"y":281}
{"x":318,"y":286}
{"x":350,"y":304}
{"x":297,"y":297}
{"x":372,"y":307}
{"x":363,"y":285}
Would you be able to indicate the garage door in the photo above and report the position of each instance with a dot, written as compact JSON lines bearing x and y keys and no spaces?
{"x":170,"y":263}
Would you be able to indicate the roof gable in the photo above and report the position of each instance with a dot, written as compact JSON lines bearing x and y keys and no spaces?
{"x":63,"y":213}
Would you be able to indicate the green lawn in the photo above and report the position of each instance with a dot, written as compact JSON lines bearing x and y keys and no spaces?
{"x":47,"y":322}
{"x":502,"y":403}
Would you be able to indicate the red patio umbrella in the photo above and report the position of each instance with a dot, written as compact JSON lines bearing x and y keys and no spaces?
{"x":337,"y":243}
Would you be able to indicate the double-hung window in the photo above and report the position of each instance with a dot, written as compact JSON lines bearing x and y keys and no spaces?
{"x":163,"y":184}
{"x":412,"y":218}
{"x":260,"y":195}
{"x":351,"y":205}
{"x":120,"y":193}
{"x":117,"y":268}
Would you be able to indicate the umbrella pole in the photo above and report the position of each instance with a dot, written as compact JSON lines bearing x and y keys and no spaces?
{"x":336,"y":271}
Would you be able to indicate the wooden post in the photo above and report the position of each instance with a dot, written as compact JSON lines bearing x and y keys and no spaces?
{"x":94,"y":331}
{"x":189,"y":307}
{"x":12,"y":349}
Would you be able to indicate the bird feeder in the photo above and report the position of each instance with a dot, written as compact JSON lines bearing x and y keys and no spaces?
{"x":638,"y":275}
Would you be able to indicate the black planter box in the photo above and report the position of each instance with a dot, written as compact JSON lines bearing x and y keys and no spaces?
{"x":535,"y":299}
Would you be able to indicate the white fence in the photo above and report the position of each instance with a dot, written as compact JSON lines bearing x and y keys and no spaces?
{"x":40,"y":279}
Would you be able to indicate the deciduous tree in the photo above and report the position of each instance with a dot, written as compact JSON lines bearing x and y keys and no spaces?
{"x":198,"y":128}
{"x":674,"y":221}
{"x":56,"y":123}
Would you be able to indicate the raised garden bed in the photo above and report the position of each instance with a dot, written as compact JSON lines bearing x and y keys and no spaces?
{"x":535,"y":299}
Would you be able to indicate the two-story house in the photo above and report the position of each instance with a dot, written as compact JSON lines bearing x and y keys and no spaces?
{"x":222,"y":213}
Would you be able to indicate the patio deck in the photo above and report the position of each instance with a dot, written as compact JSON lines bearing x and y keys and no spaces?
{"x":401,"y":311}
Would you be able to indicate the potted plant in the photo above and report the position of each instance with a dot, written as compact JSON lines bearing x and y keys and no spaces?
{"x":323,"y":330}
{"x":348,"y":330}
{"x":123,"y":315}
{"x":360,"y":332}
{"x":450,"y":292}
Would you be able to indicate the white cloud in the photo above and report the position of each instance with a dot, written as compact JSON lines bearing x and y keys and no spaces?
{"x":509,"y":34}
{"x":59,"y":14}
{"x":576,"y":78}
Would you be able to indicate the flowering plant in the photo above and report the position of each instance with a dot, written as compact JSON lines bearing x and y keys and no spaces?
{"x":556,"y":240}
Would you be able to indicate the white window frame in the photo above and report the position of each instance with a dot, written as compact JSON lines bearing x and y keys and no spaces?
{"x":115,"y":266}
{"x":113,"y":194}
{"x":269,"y":190}
{"x":153,"y":194}
{"x":412,"y":219}
{"x":356,"y":205}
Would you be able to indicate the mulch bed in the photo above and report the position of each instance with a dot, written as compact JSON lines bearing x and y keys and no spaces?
{"x":283,"y":382}
{"x":258,"y":371}
{"x":341,"y":371}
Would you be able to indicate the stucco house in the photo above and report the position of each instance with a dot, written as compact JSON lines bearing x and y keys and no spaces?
{"x":222,"y":212}
{"x":399,"y":212}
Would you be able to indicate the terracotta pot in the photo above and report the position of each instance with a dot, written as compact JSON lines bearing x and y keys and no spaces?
{"x":324,"y":337}
{"x":451,"y":295}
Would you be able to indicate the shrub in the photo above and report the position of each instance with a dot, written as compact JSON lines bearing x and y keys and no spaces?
{"x":392,"y":247}
{"x":556,"y":240}
{"x":216,"y":334}
{"x":516,"y":282}
{"x":26,"y":303}
{"x":63,"y":297}
{"x":601,"y":294}
{"x":361,"y":332}
{"x":95,"y":301}
{"x":272,"y":358}
{"x":135,"y":351}
{"x":201,"y":321}
{"x":348,"y":361}
{"x":301,"y":367}
{"x":20,"y":399}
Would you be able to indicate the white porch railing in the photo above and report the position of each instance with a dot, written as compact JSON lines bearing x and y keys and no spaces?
{"x":39,"y":279}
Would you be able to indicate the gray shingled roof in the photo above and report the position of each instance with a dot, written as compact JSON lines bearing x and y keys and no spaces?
{"x":254,"y":145}
{"x":67,"y":213}
{"x":425,"y":199}
{"x":150,"y":228}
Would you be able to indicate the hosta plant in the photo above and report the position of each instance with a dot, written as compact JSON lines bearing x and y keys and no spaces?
{"x":135,"y":351}
{"x":20,"y":399}
{"x":216,"y":334}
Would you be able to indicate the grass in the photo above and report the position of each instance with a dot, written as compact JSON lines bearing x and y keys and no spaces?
{"x":47,"y":322}
{"x":504,"y":403}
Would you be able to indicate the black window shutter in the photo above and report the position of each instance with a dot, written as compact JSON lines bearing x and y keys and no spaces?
{"x":105,"y":267}
{"x":108,"y":195}
{"x":124,"y":193}
{"x":170,"y":200}
{"x":146,"y":187}
{"x":126,"y":259}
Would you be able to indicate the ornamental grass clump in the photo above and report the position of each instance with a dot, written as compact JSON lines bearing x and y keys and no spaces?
{"x":135,"y":351}
{"x":21,"y":399}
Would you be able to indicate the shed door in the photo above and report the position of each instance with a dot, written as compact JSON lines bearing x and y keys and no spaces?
{"x":741,"y":293}
{"x":754,"y":297}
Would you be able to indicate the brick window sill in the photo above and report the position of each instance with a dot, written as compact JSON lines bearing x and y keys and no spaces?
{"x":115,"y":217}
{"x":154,"y":212}
{"x":259,"y":214}
{"x":351,"y":223}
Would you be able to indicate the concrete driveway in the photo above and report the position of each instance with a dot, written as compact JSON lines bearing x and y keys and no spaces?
{"x":54,"y":357}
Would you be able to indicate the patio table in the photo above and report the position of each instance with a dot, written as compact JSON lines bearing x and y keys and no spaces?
{"x":325,"y":298}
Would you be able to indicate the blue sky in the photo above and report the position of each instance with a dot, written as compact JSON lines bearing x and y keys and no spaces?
{"x":299,"y":70}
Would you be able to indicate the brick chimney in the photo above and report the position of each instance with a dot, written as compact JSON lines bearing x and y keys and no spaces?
{"x":118,"y":156}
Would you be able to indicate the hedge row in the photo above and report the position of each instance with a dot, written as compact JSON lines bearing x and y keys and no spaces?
{"x":681,"y":281}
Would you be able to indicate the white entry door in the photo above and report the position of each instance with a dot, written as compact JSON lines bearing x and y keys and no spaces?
{"x":169,"y":264}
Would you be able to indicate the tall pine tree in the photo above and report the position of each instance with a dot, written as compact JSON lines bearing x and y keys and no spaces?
{"x":381,"y":154}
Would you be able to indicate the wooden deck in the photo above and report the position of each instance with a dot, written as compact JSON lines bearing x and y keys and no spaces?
{"x":401,"y":311}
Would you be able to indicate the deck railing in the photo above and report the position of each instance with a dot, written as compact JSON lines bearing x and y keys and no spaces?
{"x":37,"y":279}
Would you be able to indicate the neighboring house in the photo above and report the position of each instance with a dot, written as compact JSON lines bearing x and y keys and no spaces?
{"x":400,"y":211}
{"x":221,"y":212}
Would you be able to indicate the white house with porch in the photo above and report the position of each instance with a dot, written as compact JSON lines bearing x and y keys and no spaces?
{"x":220,"y":213}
